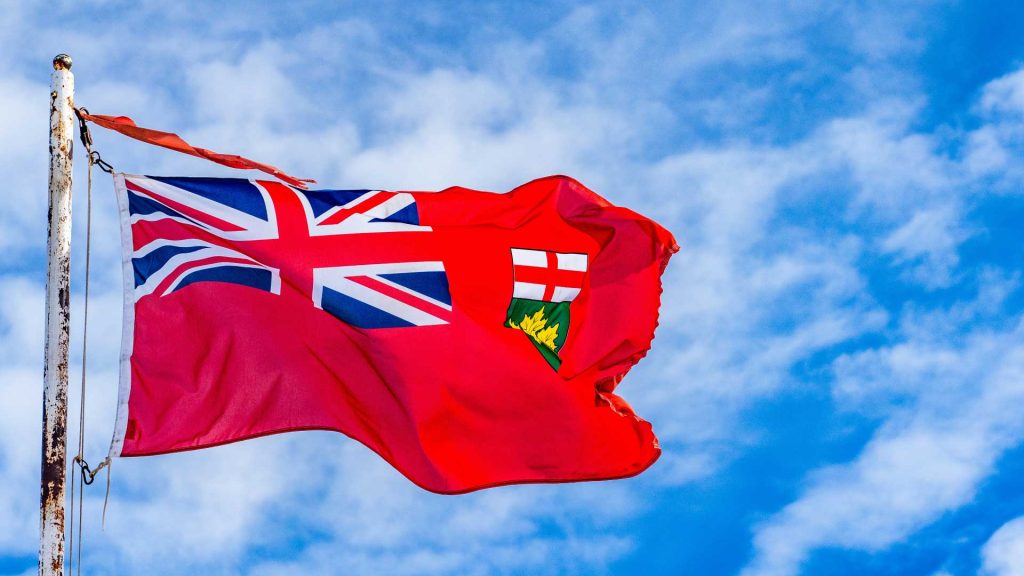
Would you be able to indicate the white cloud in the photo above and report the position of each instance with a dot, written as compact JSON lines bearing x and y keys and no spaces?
{"x":929,"y":241}
{"x":946,"y":390}
{"x":23,"y":133}
{"x":1003,"y":554}
{"x":985,"y":152}
{"x":897,"y":170}
{"x":954,"y":411}
{"x":1005,"y":95}
{"x":21,"y":353}
{"x":992,"y":149}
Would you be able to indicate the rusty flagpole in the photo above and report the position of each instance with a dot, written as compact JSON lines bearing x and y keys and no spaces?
{"x":58,"y":321}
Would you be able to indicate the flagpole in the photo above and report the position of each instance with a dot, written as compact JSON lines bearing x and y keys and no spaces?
{"x":58,"y":318}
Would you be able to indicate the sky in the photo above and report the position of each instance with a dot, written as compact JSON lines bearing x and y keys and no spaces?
{"x":838,"y":376}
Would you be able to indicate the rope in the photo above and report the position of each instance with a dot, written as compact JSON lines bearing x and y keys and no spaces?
{"x":80,"y":457}
{"x":81,"y":470}
{"x":106,"y":496}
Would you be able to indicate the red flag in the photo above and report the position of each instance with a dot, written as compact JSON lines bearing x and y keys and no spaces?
{"x":471,"y":339}
{"x":171,"y":141}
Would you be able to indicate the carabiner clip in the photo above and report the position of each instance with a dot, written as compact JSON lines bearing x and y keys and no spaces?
{"x":83,"y":128}
{"x":95,"y":158}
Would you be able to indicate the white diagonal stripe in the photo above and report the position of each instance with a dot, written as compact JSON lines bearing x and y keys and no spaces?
{"x":275,"y":275}
{"x":172,"y":265}
{"x":253,"y":228}
{"x":411,"y":292}
{"x":339,"y":280}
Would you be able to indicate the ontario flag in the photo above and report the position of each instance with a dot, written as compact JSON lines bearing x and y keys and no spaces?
{"x":471,"y":339}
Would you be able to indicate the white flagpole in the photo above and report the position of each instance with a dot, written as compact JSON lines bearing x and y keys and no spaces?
{"x":58,"y":321}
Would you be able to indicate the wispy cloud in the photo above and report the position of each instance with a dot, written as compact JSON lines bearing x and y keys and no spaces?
{"x":925,"y":460}
{"x":948,"y":389}
{"x":1003,"y":554}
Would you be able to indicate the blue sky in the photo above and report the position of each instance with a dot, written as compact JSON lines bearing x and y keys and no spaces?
{"x":838,"y":377}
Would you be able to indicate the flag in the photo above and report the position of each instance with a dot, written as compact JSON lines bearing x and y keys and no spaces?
{"x":471,"y":339}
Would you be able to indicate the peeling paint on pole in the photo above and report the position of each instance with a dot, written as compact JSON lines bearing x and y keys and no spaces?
{"x":58,"y":319}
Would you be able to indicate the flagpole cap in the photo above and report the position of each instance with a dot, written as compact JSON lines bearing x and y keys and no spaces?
{"x":62,"y":62}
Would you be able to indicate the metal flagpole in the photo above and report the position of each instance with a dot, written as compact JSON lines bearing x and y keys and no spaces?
{"x":58,"y":318}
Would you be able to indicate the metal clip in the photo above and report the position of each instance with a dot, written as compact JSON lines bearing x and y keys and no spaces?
{"x":89,"y":475}
{"x":83,"y":128}
{"x":95,"y":158}
{"x":86,"y":135}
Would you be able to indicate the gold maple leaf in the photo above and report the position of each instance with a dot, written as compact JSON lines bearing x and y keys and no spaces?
{"x":536,"y":327}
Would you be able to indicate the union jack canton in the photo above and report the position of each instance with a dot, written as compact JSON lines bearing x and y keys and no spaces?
{"x":196,"y":230}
